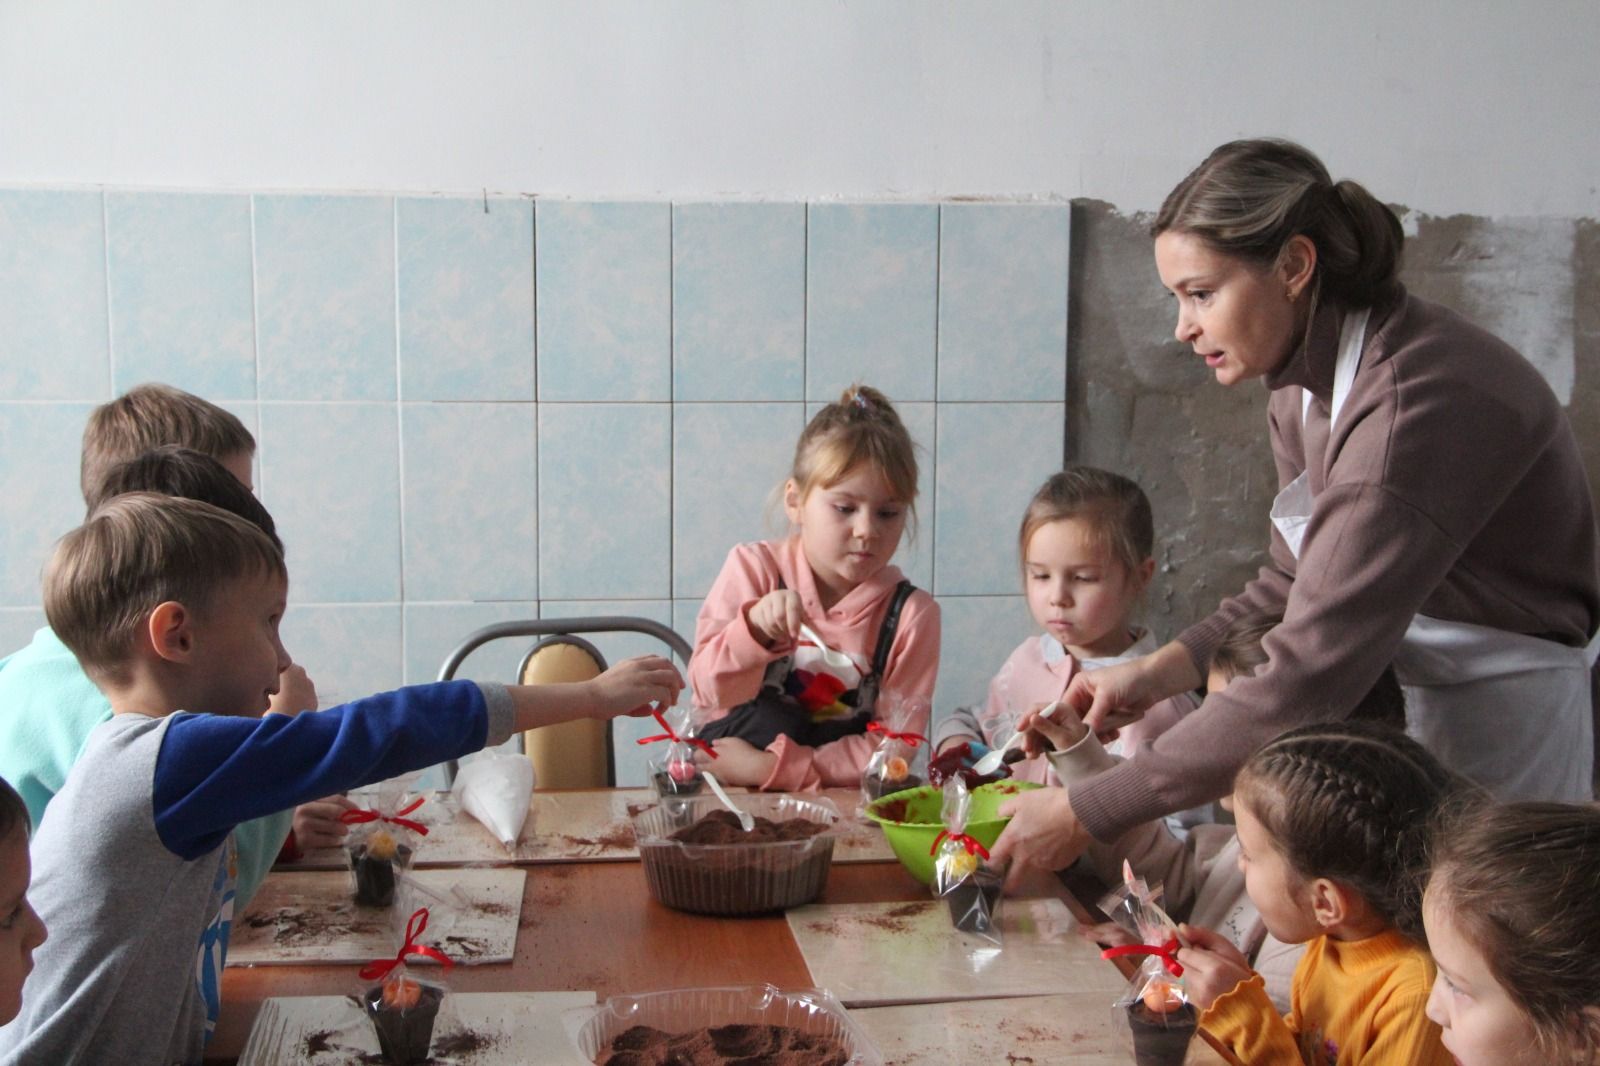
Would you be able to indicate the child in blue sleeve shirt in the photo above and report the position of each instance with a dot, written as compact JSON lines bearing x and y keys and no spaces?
{"x":172,"y":607}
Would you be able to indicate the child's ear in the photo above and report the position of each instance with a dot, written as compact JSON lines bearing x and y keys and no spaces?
{"x":1147,"y":570}
{"x":791,"y":501}
{"x":1331,"y":902}
{"x":171,"y":631}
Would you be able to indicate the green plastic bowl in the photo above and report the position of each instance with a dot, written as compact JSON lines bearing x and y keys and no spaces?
{"x":912,"y":835}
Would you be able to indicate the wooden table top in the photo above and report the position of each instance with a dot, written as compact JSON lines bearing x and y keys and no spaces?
{"x":594,"y":927}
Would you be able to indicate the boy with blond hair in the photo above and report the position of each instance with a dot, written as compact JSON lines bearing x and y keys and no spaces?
{"x":172,"y":606}
{"x":48,"y":706}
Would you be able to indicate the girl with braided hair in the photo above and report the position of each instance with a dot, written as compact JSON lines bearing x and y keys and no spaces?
{"x":1333,"y":824}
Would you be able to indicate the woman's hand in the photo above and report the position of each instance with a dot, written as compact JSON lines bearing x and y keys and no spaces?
{"x":1114,"y":696}
{"x":1212,"y":966}
{"x":1043,"y":832}
{"x":738,"y":762}
{"x":1058,"y":732}
{"x":775,"y":618}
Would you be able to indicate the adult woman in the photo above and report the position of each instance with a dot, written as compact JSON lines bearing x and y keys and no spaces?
{"x":1434,"y":513}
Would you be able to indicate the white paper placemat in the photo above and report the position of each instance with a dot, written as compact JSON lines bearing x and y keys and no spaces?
{"x":883,"y":953}
{"x":487,"y":1029}
{"x":310,"y":917}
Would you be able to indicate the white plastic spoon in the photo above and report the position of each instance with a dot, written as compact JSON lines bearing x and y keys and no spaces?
{"x":989,"y":763}
{"x":836,"y":659}
{"x":746,"y":822}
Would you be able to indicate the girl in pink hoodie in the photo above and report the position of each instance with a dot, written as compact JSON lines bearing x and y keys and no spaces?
{"x":783,"y":713}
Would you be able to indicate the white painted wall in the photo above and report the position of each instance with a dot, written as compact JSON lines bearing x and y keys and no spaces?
{"x":1465,"y":106}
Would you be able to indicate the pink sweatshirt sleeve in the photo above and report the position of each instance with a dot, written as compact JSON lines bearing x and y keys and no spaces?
{"x":911,"y":672}
{"x":729,"y":662}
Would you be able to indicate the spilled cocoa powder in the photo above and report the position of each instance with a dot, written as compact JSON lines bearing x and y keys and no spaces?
{"x":300,"y":928}
{"x":725,"y":1045}
{"x":617,"y":837}
{"x":463,"y":1043}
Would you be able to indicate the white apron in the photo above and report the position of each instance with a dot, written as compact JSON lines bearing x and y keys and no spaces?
{"x":1510,"y":711}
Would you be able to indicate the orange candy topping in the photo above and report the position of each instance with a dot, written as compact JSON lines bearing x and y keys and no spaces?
{"x":895,"y":769}
{"x":1162,"y":998}
{"x":400,"y":993}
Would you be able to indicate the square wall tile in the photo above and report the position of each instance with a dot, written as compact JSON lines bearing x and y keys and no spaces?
{"x":978,"y":634}
{"x":465,"y":290}
{"x":738,"y":301}
{"x":915,"y":556}
{"x":250,"y":415}
{"x":17,"y":627}
{"x":727,"y":460}
{"x":631,"y":756}
{"x":685,"y":615}
{"x":330,"y":475}
{"x":325,"y":297}
{"x":349,"y":651}
{"x":182,"y":303}
{"x":53,"y":343}
{"x":39,"y":494}
{"x":992,"y":457}
{"x":470,"y":493}
{"x":605,"y":525}
{"x":872,"y":273}
{"x":434,"y":630}
{"x":605,"y":311}
{"x":1003,"y":301}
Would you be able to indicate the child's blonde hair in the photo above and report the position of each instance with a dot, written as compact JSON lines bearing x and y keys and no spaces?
{"x":1519,"y":881}
{"x":134,"y":552}
{"x":150,"y":415}
{"x":860,"y":428}
{"x":1351,"y":802}
{"x":1115,"y":509}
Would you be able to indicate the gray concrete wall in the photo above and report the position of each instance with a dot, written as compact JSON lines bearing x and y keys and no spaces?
{"x":1139,"y":402}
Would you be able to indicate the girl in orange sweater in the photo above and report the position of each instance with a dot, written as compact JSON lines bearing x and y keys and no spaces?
{"x":1332,"y":834}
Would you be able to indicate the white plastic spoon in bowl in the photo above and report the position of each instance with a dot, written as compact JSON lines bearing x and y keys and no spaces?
{"x":746,"y":822}
{"x":989,"y":763}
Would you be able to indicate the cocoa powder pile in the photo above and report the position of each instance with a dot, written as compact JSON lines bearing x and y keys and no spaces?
{"x":724,"y":1045}
{"x":722,"y":827}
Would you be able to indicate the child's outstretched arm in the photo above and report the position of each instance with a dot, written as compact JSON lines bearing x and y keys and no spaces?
{"x":215,"y":771}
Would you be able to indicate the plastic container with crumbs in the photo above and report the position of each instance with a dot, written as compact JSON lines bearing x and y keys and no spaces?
{"x":735,"y":1016}
{"x":739,"y":878}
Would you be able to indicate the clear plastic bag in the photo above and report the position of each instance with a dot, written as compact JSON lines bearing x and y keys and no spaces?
{"x":496,"y":788}
{"x":900,"y":760}
{"x":962,"y":875}
{"x":1154,"y":1014}
{"x":383,"y":843}
{"x":403,"y":1008}
{"x":673,"y":771}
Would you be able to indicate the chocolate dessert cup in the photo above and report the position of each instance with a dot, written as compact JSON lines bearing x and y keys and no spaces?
{"x":375,"y":877}
{"x":878,"y":786}
{"x":973,"y":901}
{"x":404,"y":1033}
{"x":1161,"y":1039}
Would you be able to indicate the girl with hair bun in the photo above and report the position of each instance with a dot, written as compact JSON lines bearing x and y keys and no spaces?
{"x":781,"y":712}
{"x":1433,"y":513}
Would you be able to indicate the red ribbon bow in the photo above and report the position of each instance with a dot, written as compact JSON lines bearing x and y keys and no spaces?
{"x":910,"y":738}
{"x":670,"y":735}
{"x":972,"y":846}
{"x":361,"y":814}
{"x":1167,"y":953}
{"x":380,"y":968}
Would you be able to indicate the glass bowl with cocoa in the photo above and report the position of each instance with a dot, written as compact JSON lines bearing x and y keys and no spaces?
{"x":753,"y":1023}
{"x":696,"y":857}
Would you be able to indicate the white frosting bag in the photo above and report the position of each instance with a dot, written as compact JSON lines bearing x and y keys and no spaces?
{"x":496,"y":789}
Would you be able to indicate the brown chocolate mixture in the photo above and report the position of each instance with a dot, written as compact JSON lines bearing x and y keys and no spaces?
{"x":725,"y":1045}
{"x":722,"y":827}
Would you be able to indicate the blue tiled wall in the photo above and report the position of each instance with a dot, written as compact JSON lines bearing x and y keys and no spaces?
{"x":470,"y":416}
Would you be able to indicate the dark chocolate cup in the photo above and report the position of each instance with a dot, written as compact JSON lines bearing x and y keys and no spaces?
{"x":404,"y":1036}
{"x":1161,"y":1039}
{"x":877,"y":787}
{"x":973,"y":901}
{"x":667,"y":785}
{"x":375,"y":877}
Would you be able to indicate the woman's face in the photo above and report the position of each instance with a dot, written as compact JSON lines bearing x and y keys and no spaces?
{"x":1236,"y":316}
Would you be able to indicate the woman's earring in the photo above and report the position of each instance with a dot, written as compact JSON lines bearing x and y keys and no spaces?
{"x":1291,"y":294}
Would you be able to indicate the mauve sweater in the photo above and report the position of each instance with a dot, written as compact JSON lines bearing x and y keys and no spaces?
{"x":1452,"y":487}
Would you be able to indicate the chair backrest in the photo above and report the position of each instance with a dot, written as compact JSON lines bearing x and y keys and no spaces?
{"x":572,"y":754}
{"x":565,"y":628}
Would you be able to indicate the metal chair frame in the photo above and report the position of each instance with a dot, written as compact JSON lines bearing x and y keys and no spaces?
{"x":561,"y":631}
